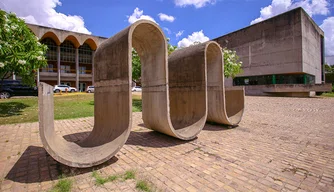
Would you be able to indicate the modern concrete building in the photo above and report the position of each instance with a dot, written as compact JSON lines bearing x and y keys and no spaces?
{"x":281,"y":55}
{"x":70,"y":57}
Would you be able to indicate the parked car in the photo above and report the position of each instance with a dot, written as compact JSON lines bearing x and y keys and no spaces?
{"x":63,"y":88}
{"x":90,"y":89}
{"x":136,"y":88}
{"x":11,"y":88}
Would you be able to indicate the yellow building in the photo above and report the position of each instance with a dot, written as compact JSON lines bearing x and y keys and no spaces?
{"x":70,"y":57}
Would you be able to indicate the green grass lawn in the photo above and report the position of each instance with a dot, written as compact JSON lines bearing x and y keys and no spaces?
{"x":328,"y":94}
{"x":20,"y":110}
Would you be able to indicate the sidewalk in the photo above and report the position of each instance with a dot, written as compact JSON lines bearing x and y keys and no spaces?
{"x":282,"y":144}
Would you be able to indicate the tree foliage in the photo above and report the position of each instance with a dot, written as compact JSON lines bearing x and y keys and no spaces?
{"x":232,"y":64}
{"x":20,"y":51}
{"x":329,"y":72}
{"x":329,"y":68}
{"x":136,"y":65}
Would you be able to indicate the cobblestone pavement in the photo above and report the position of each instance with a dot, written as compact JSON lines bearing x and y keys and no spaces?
{"x":282,"y":144}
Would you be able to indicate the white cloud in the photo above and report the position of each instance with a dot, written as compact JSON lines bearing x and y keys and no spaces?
{"x":194,"y":37}
{"x":196,"y":3}
{"x":138,"y":15}
{"x":312,"y":7}
{"x":168,"y":30}
{"x":42,"y":12}
{"x":164,"y":17}
{"x":328,"y":27}
{"x":179,"y":34}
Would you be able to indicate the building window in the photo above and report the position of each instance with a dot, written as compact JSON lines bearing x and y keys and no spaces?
{"x":275,"y":79}
{"x":85,"y":54}
{"x":49,"y":68}
{"x":290,"y":79}
{"x":51,"y":54}
{"x":82,"y":70}
{"x":309,"y":79}
{"x":67,"y":52}
{"x":65,"y":69}
{"x":66,"y":83}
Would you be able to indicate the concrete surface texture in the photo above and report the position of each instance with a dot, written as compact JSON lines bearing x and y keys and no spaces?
{"x":281,"y":144}
{"x":289,"y":43}
{"x":174,"y":95}
{"x":59,"y":36}
{"x":103,"y":143}
{"x":225,"y":106}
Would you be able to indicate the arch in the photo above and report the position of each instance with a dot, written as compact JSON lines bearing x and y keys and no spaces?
{"x":51,"y":35}
{"x":92,"y":44}
{"x":72,"y":39}
{"x":67,"y":51}
{"x":85,"y":54}
{"x":51,"y":53}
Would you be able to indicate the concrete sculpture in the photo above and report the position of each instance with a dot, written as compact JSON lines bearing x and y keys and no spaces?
{"x":174,"y":97}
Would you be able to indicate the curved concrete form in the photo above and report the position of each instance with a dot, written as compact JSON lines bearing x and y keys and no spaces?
{"x":103,"y":142}
{"x":113,"y":102}
{"x":174,"y":96}
{"x":225,"y":106}
{"x":177,"y":105}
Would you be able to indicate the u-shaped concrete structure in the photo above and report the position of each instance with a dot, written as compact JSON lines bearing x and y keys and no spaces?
{"x":225,"y":106}
{"x":174,"y":97}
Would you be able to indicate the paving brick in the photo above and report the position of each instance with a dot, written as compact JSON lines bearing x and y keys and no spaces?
{"x":282,"y":144}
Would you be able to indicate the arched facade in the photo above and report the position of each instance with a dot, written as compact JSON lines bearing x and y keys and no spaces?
{"x":70,"y":57}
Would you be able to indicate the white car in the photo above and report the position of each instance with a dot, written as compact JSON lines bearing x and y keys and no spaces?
{"x":64,"y":88}
{"x":136,"y":88}
{"x":90,"y":89}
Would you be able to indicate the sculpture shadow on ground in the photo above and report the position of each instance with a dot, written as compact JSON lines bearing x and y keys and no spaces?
{"x":153,"y":139}
{"x":8,"y":109}
{"x":36,"y":165}
{"x":143,"y":138}
{"x":212,"y":126}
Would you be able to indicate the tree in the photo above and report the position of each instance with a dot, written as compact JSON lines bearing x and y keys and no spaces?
{"x":20,"y":51}
{"x":329,"y":68}
{"x":329,"y":72}
{"x":171,"y":48}
{"x":136,"y":65}
{"x":232,"y":64}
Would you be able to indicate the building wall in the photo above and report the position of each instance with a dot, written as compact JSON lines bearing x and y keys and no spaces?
{"x":273,"y":46}
{"x":312,"y":48}
{"x":80,"y":74}
{"x":61,"y":35}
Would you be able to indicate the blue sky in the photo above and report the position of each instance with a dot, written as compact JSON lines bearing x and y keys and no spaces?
{"x":199,"y":20}
{"x":105,"y":18}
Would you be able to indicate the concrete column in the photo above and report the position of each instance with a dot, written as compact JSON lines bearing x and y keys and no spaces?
{"x":93,"y":67}
{"x":37,"y":76}
{"x":77,"y":68}
{"x":14,"y":76}
{"x":323,"y":76}
{"x":58,"y":65}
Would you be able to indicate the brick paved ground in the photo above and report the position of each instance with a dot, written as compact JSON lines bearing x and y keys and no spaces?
{"x":282,"y":144}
